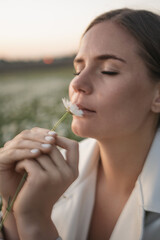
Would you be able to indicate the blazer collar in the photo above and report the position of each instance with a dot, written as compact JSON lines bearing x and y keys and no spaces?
{"x":144,"y":197}
{"x":88,"y":160}
{"x":73,"y":211}
{"x":148,"y":182}
{"x":131,"y":220}
{"x":149,"y":178}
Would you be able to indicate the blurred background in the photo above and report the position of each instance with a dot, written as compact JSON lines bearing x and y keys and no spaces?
{"x":38,"y":42}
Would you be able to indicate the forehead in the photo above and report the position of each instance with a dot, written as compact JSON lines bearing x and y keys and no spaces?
{"x":109,"y":38}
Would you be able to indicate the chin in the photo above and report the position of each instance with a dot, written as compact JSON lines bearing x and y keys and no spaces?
{"x":82,"y":131}
{"x":79,"y":132}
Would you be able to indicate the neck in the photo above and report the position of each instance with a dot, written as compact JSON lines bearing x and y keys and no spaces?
{"x":122,"y":159}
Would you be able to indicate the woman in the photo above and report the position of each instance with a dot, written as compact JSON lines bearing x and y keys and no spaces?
{"x":116,"y":195}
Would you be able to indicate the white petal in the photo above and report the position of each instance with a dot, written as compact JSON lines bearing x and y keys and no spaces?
{"x":72,"y":108}
{"x":65,"y":102}
{"x":78,"y":112}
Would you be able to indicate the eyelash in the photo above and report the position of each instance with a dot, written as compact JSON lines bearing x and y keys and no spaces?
{"x":109,"y":72}
{"x":103,"y":72}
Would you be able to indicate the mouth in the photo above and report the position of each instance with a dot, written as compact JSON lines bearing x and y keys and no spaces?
{"x":85,"y":109}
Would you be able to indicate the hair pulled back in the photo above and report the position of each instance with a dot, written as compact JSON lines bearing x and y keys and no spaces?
{"x":144,"y":26}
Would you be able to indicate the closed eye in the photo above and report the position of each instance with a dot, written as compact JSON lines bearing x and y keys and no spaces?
{"x":109,"y":72}
{"x":103,"y":72}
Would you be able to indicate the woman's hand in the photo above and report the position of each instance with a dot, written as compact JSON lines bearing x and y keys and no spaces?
{"x":49,"y":175}
{"x":28,"y":144}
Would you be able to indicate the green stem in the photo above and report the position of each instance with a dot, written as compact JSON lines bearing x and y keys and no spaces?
{"x":60,"y":120}
{"x":10,"y":204}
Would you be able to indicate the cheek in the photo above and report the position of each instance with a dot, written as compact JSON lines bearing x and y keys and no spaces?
{"x":127,"y":91}
{"x":115,"y":96}
{"x":123,"y":102}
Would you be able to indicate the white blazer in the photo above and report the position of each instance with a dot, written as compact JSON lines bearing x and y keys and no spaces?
{"x":140,"y":217}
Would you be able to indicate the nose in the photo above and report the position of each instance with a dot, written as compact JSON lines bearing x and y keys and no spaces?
{"x":82,"y":83}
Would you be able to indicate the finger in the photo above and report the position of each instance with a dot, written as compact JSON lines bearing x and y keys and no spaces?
{"x":37,"y":134}
{"x":58,"y":159}
{"x":46,"y":163}
{"x":44,"y":130}
{"x":54,"y":163}
{"x":72,"y":153}
{"x":56,"y":167}
{"x":29,"y":144}
{"x":11,"y":156}
{"x":30,"y":166}
{"x":7,"y":143}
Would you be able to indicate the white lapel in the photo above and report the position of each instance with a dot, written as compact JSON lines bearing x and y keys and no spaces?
{"x":72,"y":213}
{"x":150,"y":177}
{"x":76,"y":205}
{"x":130,"y":223}
{"x":145,"y":197}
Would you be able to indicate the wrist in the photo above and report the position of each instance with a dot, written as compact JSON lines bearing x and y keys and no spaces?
{"x":8,"y":225}
{"x":37,"y":228}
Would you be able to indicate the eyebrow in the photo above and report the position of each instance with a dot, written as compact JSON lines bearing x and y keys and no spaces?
{"x":101,"y":57}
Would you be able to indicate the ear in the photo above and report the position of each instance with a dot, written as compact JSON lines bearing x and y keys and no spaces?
{"x":156,"y":101}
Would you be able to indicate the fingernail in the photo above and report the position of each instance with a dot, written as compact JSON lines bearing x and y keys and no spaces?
{"x":45,"y":145}
{"x":49,"y":138}
{"x":35,"y":150}
{"x":52,"y":133}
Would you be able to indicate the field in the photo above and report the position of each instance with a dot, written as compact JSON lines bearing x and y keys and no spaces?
{"x":33,"y":98}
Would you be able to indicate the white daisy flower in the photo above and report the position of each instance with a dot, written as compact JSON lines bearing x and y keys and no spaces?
{"x":72,"y":108}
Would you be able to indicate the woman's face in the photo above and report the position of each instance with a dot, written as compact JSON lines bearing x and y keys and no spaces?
{"x":112,"y":84}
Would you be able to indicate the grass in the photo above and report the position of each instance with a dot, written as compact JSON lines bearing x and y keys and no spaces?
{"x":33,"y":98}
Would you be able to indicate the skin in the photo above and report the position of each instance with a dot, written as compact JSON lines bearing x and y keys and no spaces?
{"x":120,"y":111}
{"x":52,"y":171}
{"x":123,"y":116}
{"x":119,"y":100}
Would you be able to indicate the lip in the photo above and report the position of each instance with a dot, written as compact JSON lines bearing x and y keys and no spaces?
{"x":86,"y":110}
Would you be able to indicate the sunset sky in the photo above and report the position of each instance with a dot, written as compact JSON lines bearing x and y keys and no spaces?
{"x":32,"y":29}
